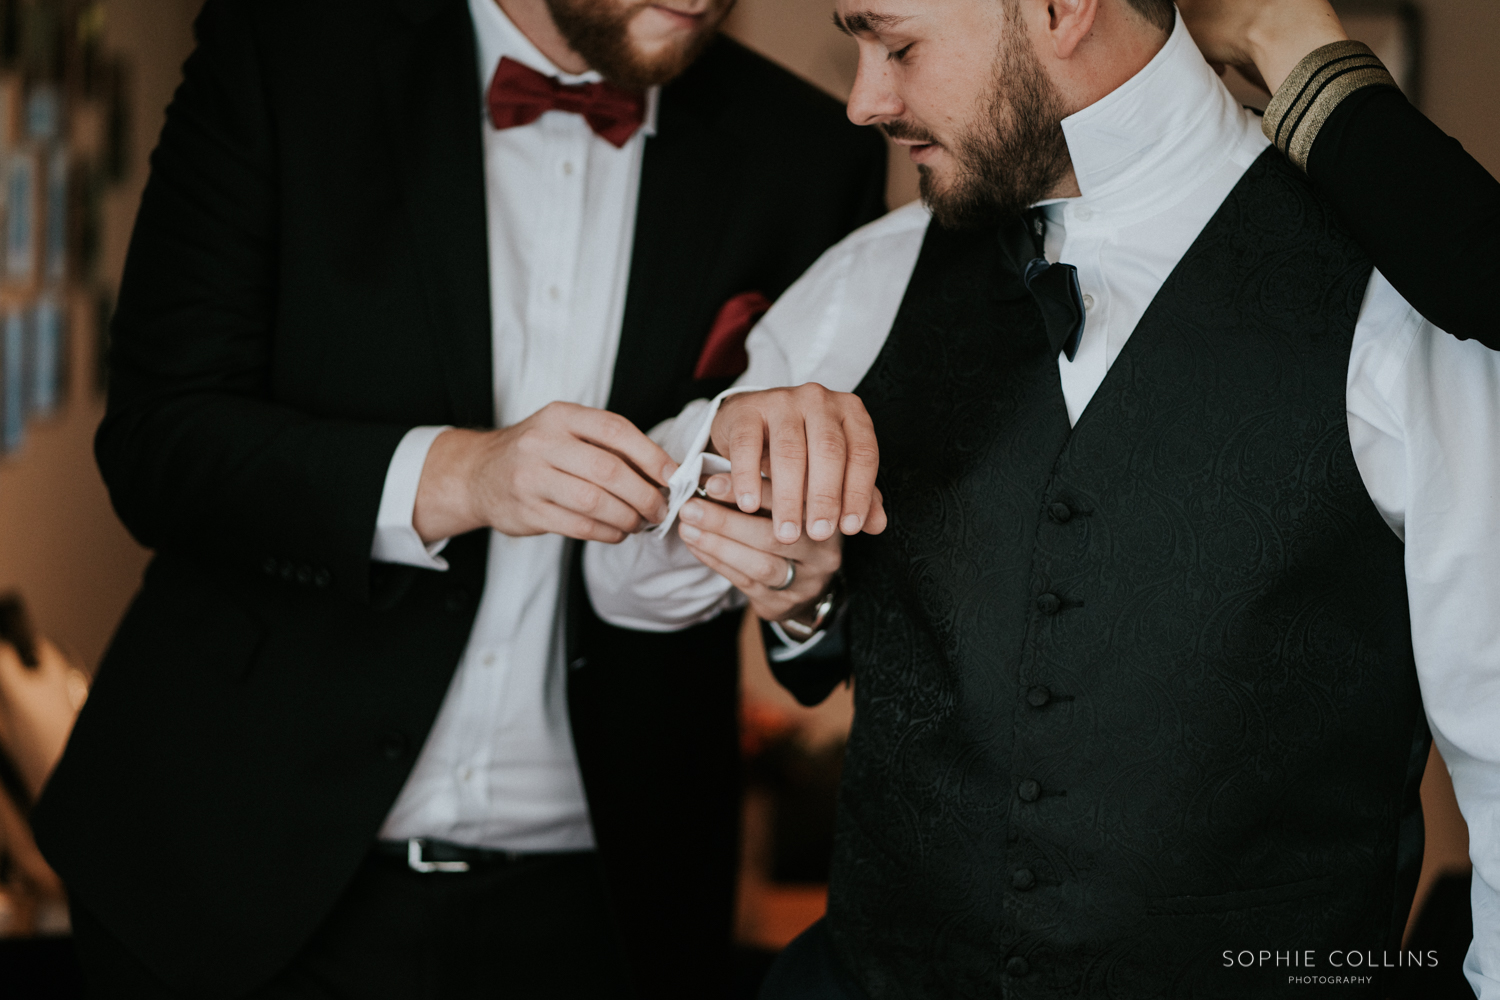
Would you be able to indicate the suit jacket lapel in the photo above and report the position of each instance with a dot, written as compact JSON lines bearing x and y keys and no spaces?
{"x":680,"y":223}
{"x":429,"y":71}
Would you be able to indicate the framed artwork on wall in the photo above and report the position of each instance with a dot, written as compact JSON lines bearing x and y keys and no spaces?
{"x":20,"y":217}
{"x":47,"y":360}
{"x":12,"y":380}
{"x":64,"y":139}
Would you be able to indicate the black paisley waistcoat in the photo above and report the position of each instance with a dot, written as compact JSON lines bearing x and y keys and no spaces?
{"x":1137,"y":694}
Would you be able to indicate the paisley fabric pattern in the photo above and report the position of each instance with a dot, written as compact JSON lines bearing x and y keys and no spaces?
{"x":1137,"y":693}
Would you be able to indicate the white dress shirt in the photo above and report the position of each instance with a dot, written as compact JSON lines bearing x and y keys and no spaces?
{"x":1154,"y":160}
{"x":498,"y":769}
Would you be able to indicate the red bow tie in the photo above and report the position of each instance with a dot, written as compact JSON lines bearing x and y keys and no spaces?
{"x":519,"y":95}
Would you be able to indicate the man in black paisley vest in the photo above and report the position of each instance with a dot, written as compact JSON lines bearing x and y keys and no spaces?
{"x":1137,"y":707}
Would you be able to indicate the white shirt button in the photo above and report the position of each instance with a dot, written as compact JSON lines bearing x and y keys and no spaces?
{"x":466,"y":774}
{"x":1088,"y":302}
{"x":1083,"y":214}
{"x":489,"y":659}
{"x":567,"y":168}
{"x":554,"y":293}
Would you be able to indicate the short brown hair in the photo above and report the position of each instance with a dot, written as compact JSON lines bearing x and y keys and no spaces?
{"x":1160,"y":13}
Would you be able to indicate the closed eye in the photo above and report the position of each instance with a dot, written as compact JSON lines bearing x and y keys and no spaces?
{"x":900,"y":54}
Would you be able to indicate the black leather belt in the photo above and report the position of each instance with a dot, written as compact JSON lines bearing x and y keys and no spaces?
{"x":428,"y":856}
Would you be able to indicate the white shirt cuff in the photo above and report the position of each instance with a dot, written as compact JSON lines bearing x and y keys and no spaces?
{"x":790,"y":648}
{"x":695,"y":462}
{"x":396,"y":538}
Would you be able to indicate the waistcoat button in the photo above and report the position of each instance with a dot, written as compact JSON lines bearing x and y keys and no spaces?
{"x":1048,"y":604}
{"x":1038,"y":696}
{"x":1023,"y":879}
{"x":1029,"y":790}
{"x":1060,"y":512}
{"x":1017,"y":967}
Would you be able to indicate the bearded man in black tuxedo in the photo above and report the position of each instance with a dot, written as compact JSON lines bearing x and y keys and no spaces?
{"x":408,"y":280}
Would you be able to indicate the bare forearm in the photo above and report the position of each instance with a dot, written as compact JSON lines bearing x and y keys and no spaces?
{"x":1283,"y":32}
{"x":1265,"y":36}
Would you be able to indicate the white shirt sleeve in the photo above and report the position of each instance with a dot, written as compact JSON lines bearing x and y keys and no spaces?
{"x":828,"y":328}
{"x":396,"y":539}
{"x":1424,"y":419}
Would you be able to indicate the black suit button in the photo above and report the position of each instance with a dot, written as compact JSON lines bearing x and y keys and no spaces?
{"x":322,"y":578}
{"x":1017,"y":967}
{"x":1048,"y":604}
{"x":456,"y":600}
{"x":578,"y":663}
{"x":1023,"y":879}
{"x":269,"y":566}
{"x":1029,"y":790}
{"x":1060,"y":512}
{"x":304,"y":575}
{"x":288,"y":572}
{"x":393,"y":745}
{"x":1038,"y":696}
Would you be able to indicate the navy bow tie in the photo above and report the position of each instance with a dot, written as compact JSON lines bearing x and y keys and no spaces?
{"x":1053,"y":286}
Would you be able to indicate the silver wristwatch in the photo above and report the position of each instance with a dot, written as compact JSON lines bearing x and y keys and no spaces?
{"x":822,"y":612}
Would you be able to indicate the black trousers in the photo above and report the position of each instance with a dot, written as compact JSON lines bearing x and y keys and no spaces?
{"x":538,"y":928}
{"x":808,"y":969}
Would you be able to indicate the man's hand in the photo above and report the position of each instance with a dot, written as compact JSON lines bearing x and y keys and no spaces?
{"x":1263,"y":39}
{"x":807,"y":439}
{"x":744,"y":550}
{"x":566,"y":469}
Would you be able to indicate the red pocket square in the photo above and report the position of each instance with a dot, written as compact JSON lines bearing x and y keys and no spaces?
{"x":724,"y":352}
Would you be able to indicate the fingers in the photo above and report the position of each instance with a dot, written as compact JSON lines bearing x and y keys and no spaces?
{"x":745,"y":436}
{"x":764,"y":568}
{"x":729,"y":572}
{"x":758,"y":574}
{"x":877,"y":521}
{"x":786,"y":430}
{"x":588,"y":501}
{"x":826,"y":461}
{"x":549,"y":518}
{"x":614,"y":433}
{"x":611,"y":473}
{"x":700,"y":516}
{"x":860,"y":469}
{"x":717,"y":487}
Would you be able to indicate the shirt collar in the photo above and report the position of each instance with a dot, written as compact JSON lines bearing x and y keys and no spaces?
{"x":1149,"y":141}
{"x":498,"y":37}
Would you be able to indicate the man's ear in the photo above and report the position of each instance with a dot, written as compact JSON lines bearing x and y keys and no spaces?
{"x":1068,"y":24}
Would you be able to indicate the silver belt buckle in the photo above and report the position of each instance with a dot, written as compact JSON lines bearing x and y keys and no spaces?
{"x":415,"y":863}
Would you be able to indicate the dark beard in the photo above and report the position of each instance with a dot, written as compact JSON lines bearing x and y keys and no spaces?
{"x":597,"y":31}
{"x":1014,"y":158}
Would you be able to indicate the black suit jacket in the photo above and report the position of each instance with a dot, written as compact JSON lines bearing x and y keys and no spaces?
{"x":307,"y":281}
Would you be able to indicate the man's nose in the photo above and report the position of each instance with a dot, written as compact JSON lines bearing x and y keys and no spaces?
{"x":873,"y":99}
